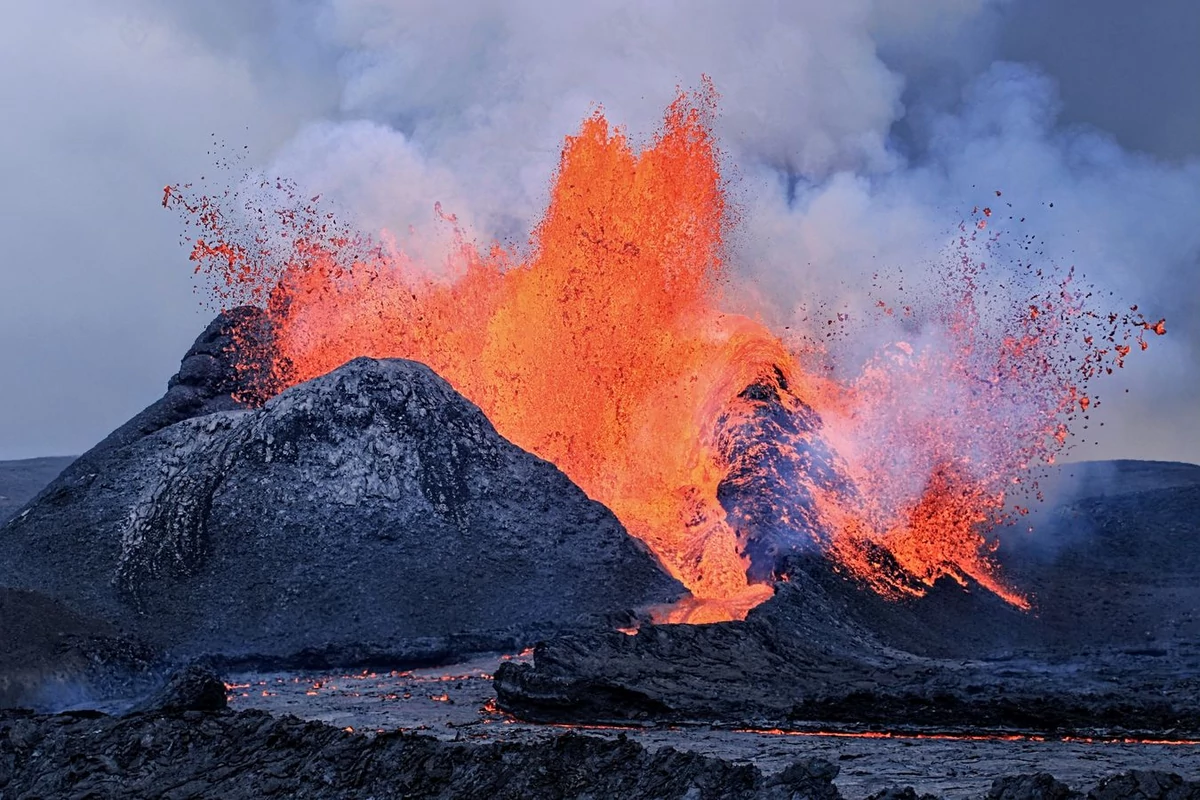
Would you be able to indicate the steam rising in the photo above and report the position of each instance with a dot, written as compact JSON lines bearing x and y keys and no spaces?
{"x":857,"y":134}
{"x":851,"y":157}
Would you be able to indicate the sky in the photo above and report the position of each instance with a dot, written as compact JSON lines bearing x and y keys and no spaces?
{"x":858,"y":129}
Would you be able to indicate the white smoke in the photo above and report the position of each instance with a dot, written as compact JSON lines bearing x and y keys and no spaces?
{"x":488,"y":92}
{"x":856,"y":132}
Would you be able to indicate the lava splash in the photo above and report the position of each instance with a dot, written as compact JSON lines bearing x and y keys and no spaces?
{"x":607,"y":348}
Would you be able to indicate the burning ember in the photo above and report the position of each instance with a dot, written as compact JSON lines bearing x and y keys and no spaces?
{"x":608,"y":349}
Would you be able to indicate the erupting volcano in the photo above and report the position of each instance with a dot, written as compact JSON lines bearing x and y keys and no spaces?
{"x":608,"y":346}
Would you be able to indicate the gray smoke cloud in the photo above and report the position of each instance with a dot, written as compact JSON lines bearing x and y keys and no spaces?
{"x":857,"y":131}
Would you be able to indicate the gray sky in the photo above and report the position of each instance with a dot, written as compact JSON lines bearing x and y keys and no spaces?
{"x":884,"y":114}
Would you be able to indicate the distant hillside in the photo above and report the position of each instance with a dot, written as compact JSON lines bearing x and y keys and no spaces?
{"x":21,"y":480}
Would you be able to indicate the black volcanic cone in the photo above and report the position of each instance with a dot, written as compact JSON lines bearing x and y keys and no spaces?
{"x":371,"y":510}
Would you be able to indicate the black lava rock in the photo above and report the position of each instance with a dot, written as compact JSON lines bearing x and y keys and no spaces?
{"x":1040,"y":786}
{"x":896,"y":793}
{"x":253,"y":755}
{"x":1145,"y":785}
{"x":194,"y":688}
{"x":371,"y":513}
{"x":1111,"y":646}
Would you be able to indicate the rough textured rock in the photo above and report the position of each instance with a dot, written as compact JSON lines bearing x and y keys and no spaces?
{"x":1145,"y":785}
{"x":896,"y":793}
{"x":193,"y":688}
{"x":253,"y":755}
{"x":369,"y":512}
{"x":770,"y":440}
{"x":51,"y":656}
{"x":1040,"y":786}
{"x":1111,"y":647}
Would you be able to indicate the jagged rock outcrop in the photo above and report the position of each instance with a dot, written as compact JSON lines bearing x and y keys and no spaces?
{"x":369,"y":512}
{"x":1145,"y":785}
{"x":770,"y":440}
{"x":897,"y":793}
{"x":1039,"y":786}
{"x":254,"y":755}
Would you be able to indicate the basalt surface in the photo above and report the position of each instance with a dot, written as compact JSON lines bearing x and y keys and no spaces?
{"x":369,"y":514}
{"x":1111,"y":646}
{"x":457,"y":703}
{"x":254,"y":754}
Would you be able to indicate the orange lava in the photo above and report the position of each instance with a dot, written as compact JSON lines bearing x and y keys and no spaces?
{"x":905,"y":735}
{"x":606,"y":350}
{"x":971,"y":737}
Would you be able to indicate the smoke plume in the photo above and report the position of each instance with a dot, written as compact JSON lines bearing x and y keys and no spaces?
{"x":856,"y":134}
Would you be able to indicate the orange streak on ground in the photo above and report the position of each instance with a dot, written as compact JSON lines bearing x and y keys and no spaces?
{"x":972,"y":737}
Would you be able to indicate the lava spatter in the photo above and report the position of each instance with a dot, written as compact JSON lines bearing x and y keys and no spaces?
{"x":606,"y":349}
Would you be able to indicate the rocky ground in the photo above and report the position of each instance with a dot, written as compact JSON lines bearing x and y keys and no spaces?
{"x":457,"y":703}
{"x":1112,"y":645}
{"x":253,"y":754}
{"x":185,"y":753}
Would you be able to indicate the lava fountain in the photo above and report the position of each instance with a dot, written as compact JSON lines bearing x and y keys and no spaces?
{"x":607,"y":350}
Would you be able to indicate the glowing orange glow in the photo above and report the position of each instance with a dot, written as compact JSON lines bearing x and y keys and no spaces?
{"x":971,"y":737}
{"x":908,"y":735}
{"x":607,"y":350}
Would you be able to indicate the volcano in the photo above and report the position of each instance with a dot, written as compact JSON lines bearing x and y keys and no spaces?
{"x":597,"y":443}
{"x":369,"y":511}
{"x":619,"y":345}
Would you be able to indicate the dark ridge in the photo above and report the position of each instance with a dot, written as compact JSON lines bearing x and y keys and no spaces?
{"x":373,"y":510}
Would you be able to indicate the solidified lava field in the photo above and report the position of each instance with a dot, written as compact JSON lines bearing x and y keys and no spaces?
{"x":456,"y":702}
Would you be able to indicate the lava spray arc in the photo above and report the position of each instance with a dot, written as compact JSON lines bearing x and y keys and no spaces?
{"x":607,"y":348}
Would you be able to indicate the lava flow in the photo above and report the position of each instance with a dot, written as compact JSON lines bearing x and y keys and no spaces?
{"x":606,"y":350}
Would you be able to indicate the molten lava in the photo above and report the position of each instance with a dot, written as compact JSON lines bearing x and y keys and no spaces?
{"x":605,"y":350}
